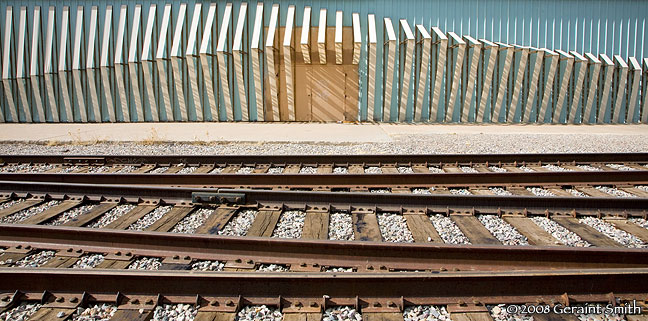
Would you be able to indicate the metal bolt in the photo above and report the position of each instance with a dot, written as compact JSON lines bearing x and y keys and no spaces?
{"x":376,"y":304}
{"x":303,"y":264}
{"x":238,"y":260}
{"x":391,"y":304}
{"x":118,"y":253}
{"x":19,"y":246}
{"x":129,"y":254}
{"x":370,"y":267}
{"x":149,"y":301}
{"x":135,"y":301}
{"x":382,"y":267}
{"x":198,"y":199}
{"x":28,"y":247}
{"x":298,"y":304}
{"x":176,"y":257}
{"x":69,"y":250}
{"x":187,"y":257}
{"x":249,"y":261}
{"x":79,"y":251}
{"x":74,"y":300}
{"x":229,"y":303}
{"x":60,"y":299}
{"x":213,"y":303}
{"x":5,"y":298}
{"x":212,"y":198}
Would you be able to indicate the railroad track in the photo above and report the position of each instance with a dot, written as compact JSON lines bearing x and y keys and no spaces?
{"x":308,"y":246}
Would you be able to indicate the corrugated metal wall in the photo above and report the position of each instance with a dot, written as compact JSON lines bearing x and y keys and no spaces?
{"x":612,"y":27}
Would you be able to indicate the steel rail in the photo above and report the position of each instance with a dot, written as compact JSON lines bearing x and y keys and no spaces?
{"x":440,"y":203}
{"x":226,"y":290}
{"x":342,"y":180}
{"x":379,"y":255}
{"x":328,"y":159}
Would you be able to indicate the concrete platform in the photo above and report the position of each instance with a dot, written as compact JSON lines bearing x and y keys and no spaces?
{"x":284,"y":132}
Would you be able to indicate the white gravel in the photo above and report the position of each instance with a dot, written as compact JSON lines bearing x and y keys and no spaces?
{"x":35,"y":260}
{"x":146,"y":263}
{"x":500,"y":191}
{"x":435,"y":169}
{"x":342,"y":313}
{"x":620,"y":167}
{"x":421,"y":191}
{"x":275,"y":170}
{"x":373,"y":170}
{"x":26,"y":168}
{"x":338,"y":270}
{"x":126,"y":169}
{"x":459,"y":191}
{"x":240,"y":224}
{"x":555,"y":168}
{"x":589,"y":168}
{"x":380,"y":190}
{"x":308,"y":170}
{"x":340,"y":170}
{"x":499,"y":313}
{"x":175,"y":312}
{"x":526,"y":169}
{"x":159,"y":170}
{"x":207,"y":266}
{"x":426,"y":313}
{"x":442,"y":143}
{"x":393,"y":228}
{"x":70,"y":169}
{"x":11,"y":203}
{"x":613,"y":191}
{"x":150,"y":218}
{"x":70,"y":214}
{"x":640,"y":221}
{"x":98,"y":169}
{"x":259,"y":313}
{"x":187,"y":170}
{"x":20,"y":313}
{"x":503,"y":231}
{"x":468,"y":169}
{"x":245,"y":170}
{"x":576,"y":192}
{"x":216,"y":170}
{"x":538,"y":191}
{"x":103,"y":312}
{"x":290,"y":225}
{"x":341,"y":227}
{"x":448,"y":230}
{"x":405,"y":170}
{"x":598,"y":317}
{"x":559,"y":232}
{"x":193,"y":221}
{"x":88,"y":261}
{"x":614,"y":233}
{"x":272,"y":268}
{"x":497,"y":169}
{"x":28,"y":212}
{"x":112,"y":215}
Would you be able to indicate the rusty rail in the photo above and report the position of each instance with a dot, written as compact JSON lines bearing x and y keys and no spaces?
{"x":226,"y":291}
{"x":381,"y":256}
{"x":436,"y":203}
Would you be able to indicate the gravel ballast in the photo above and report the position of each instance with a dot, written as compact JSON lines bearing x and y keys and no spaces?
{"x":20,"y":313}
{"x":175,"y":312}
{"x":71,"y":214}
{"x":342,"y":313}
{"x":96,"y":312}
{"x":560,"y":233}
{"x":290,"y":225}
{"x":341,"y":227}
{"x":146,"y":263}
{"x":150,"y":218}
{"x":11,"y":203}
{"x":538,"y":191}
{"x":499,"y":313}
{"x":193,"y":221}
{"x":272,"y":268}
{"x":25,"y":168}
{"x":259,"y":313}
{"x":640,"y":221}
{"x":112,"y":215}
{"x":88,"y":261}
{"x":448,"y":230}
{"x":614,"y":233}
{"x":613,"y":191}
{"x":503,"y":231}
{"x":373,"y":170}
{"x":35,"y":260}
{"x":28,"y":212}
{"x":240,"y":224}
{"x":207,"y":266}
{"x":426,"y":313}
{"x":393,"y":228}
